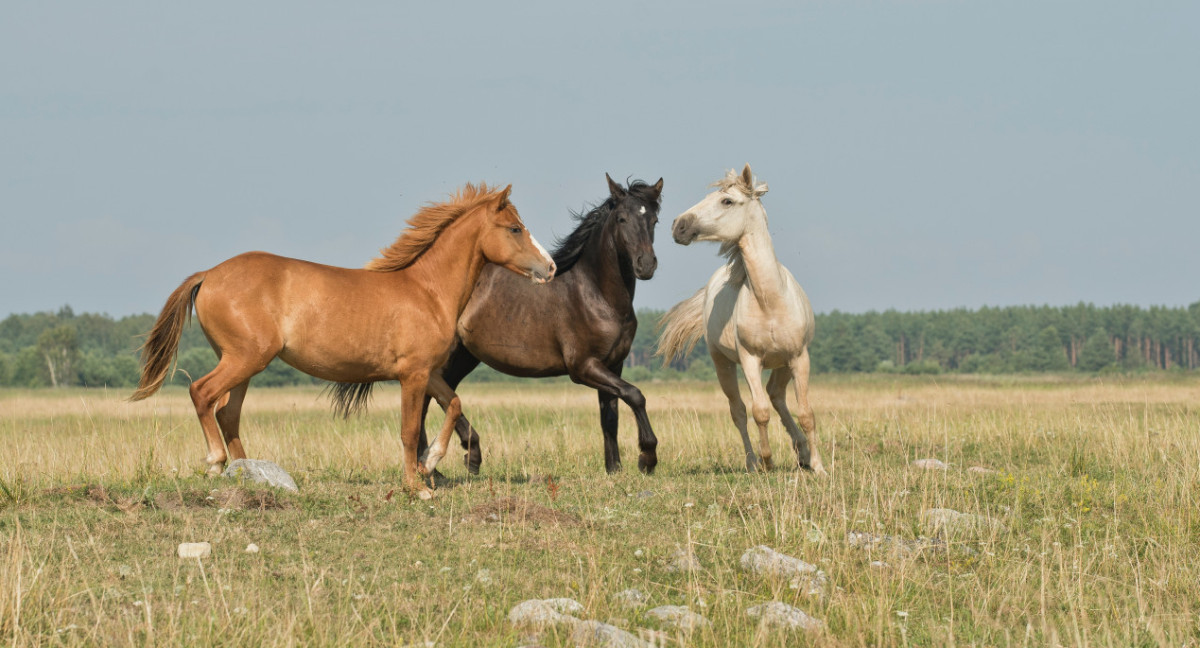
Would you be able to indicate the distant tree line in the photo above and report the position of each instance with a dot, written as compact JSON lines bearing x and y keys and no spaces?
{"x":65,"y":349}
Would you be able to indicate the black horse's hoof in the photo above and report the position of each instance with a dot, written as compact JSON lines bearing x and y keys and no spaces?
{"x":472,"y":463}
{"x":613,"y":468}
{"x":647,"y":462}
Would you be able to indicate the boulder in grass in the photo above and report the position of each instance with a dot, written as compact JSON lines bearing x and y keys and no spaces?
{"x":765,"y":561}
{"x":261,"y":472}
{"x":783,"y":616}
{"x":595,"y":633}
{"x":545,"y":613}
{"x":678,"y":617}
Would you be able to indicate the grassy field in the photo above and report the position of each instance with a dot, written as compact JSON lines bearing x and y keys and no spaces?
{"x":1093,"y":539}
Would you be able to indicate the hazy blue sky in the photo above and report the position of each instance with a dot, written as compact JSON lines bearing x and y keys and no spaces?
{"x":921,"y":155}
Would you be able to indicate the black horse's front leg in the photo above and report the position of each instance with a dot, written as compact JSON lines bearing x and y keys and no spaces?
{"x":609,"y":420}
{"x":608,"y":381}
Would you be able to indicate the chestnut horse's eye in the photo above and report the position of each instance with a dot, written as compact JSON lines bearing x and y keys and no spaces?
{"x":515,"y":229}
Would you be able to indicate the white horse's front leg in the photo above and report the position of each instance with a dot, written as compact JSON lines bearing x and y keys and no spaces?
{"x":727,"y":377}
{"x":760,"y":405}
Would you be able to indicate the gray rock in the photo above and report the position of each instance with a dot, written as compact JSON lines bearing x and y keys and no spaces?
{"x":929,"y":464}
{"x":678,"y":617}
{"x":261,"y":472}
{"x":544,"y":613}
{"x":781,"y":615}
{"x":902,"y":547}
{"x":595,"y":633}
{"x":765,"y":561}
{"x":980,"y":470}
{"x":683,"y":561}
{"x":954,"y":523}
{"x":630,"y":599}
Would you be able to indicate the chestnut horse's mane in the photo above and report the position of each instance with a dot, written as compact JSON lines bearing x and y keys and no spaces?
{"x":426,"y":225}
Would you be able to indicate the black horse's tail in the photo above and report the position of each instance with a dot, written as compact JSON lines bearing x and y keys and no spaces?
{"x":349,"y":398}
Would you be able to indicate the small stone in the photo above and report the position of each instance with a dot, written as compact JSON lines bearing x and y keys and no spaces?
{"x":929,"y":464}
{"x":483,"y":577}
{"x":878,"y":564}
{"x":781,"y":615}
{"x":679,"y":617}
{"x":542,"y":613}
{"x":949,"y":521}
{"x":195,"y":550}
{"x":261,"y":472}
{"x":765,"y":561}
{"x":630,"y":599}
{"x":683,"y":560}
{"x":595,"y":633}
{"x":251,"y":548}
{"x":980,"y":470}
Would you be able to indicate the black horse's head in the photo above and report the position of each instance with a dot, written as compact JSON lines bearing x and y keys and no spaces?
{"x":633,"y":214}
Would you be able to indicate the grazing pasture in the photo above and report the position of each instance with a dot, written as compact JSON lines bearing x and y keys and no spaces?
{"x":1089,"y":531}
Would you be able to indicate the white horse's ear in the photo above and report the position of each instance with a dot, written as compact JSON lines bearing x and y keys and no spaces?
{"x":760,"y":190}
{"x":748,"y":176}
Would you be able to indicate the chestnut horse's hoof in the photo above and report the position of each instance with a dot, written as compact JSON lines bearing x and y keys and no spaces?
{"x":424,"y":493}
{"x":215,"y":470}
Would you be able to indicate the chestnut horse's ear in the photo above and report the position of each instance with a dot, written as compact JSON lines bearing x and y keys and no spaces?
{"x":500,"y":206}
{"x":614,"y":188}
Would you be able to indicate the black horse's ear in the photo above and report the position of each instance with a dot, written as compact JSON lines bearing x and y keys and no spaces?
{"x":657,"y":186}
{"x":614,"y":188}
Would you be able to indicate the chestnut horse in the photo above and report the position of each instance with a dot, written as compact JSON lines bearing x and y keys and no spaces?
{"x":393,"y":320}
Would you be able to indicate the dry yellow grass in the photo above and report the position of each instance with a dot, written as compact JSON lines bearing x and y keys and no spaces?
{"x":1095,"y":489}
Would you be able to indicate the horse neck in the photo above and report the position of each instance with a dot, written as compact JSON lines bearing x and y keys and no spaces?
{"x":452,"y":265}
{"x":602,"y":263}
{"x":755,"y":253}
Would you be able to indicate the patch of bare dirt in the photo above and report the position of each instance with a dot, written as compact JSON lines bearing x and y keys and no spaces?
{"x":514,"y":510}
{"x":225,"y":498}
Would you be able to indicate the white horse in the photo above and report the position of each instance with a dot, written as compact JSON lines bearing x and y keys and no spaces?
{"x":752,"y":313}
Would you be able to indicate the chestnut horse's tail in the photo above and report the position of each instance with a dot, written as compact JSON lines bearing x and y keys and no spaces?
{"x":163,"y":341}
{"x":681,"y":328}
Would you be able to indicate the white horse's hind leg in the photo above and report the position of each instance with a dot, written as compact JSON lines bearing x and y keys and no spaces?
{"x":808,"y":422}
{"x":727,"y":376}
{"x":760,"y":404}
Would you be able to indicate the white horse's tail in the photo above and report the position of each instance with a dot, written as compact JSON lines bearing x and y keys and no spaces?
{"x":681,"y":328}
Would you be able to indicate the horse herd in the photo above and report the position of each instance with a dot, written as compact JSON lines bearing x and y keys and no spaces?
{"x":467,"y":283}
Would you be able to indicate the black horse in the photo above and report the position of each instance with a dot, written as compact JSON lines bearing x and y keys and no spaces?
{"x":581,"y":324}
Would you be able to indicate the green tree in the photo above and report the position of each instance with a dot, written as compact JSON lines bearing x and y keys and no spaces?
{"x":60,"y":350}
{"x":1097,"y":353}
{"x":1048,"y":353}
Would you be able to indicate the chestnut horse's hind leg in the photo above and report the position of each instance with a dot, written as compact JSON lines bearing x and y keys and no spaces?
{"x":229,"y":415}
{"x":207,"y":392}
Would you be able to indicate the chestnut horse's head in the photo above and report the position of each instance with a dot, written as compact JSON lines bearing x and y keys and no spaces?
{"x":506,"y":242}
{"x":725,"y":214}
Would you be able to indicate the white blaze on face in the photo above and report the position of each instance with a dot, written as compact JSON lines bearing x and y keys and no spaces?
{"x":642,"y":211}
{"x":541,"y":250}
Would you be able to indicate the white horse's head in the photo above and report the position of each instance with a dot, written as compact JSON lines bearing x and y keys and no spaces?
{"x":725,"y":214}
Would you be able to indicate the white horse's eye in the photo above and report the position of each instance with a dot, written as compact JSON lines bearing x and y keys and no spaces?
{"x":727,"y":202}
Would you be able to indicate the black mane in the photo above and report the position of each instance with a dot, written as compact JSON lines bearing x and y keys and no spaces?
{"x":569,"y":248}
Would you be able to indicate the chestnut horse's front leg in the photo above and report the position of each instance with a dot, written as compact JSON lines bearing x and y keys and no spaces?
{"x":412,"y":400}
{"x":448,"y":400}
